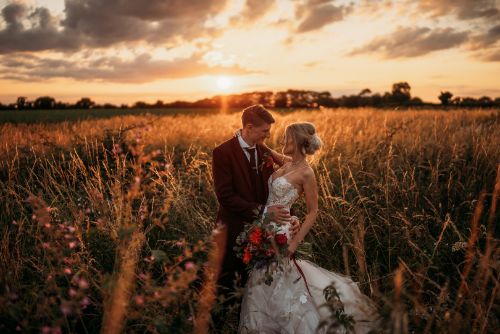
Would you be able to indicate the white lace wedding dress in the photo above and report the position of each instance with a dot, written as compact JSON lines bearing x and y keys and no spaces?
{"x":287,"y":306}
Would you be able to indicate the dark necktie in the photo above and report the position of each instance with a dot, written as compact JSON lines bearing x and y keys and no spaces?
{"x":253,"y":163}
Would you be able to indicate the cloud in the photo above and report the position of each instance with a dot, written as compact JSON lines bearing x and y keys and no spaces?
{"x":42,"y":35}
{"x":315,"y":14}
{"x":255,"y":9}
{"x":111,"y":69}
{"x":487,"y":39}
{"x":412,"y":42}
{"x":98,"y":23}
{"x":462,"y":9}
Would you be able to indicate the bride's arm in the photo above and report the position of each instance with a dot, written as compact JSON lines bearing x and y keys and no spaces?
{"x":279,"y":158}
{"x":311,"y":196}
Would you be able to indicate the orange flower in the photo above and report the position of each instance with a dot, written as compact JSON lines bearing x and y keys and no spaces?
{"x":256,"y":236}
{"x":247,"y":256}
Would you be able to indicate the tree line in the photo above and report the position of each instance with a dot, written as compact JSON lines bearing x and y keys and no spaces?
{"x":399,"y":96}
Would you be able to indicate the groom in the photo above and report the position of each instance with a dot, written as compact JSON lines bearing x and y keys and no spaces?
{"x":240,"y":177}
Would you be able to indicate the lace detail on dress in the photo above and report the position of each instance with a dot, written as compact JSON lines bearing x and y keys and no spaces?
{"x":281,"y":191}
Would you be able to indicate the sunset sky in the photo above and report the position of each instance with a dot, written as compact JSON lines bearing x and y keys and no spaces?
{"x":129,"y":50}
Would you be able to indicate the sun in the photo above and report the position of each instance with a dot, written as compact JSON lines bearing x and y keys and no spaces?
{"x":224,"y":82}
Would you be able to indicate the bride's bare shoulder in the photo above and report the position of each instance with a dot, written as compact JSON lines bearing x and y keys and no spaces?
{"x":308,"y":174}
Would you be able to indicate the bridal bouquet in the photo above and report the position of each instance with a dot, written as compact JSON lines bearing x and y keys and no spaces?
{"x":263,"y":244}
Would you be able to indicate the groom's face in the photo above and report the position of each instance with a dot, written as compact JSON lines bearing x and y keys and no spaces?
{"x":258,"y":134}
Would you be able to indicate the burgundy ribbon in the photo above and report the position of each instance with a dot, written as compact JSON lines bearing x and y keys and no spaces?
{"x":301,"y":274}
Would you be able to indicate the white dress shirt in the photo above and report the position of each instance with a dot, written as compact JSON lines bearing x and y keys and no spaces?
{"x":244,"y":145}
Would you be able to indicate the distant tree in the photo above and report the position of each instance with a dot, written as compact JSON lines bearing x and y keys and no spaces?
{"x":45,"y":102}
{"x":159,"y":104}
{"x":62,"y":105}
{"x":85,"y":103}
{"x":265,"y":98}
{"x":485,"y":102}
{"x":496,"y":102}
{"x":468,"y":102}
{"x":325,"y":99}
{"x":456,"y":101}
{"x":109,"y":106}
{"x":21,"y":102}
{"x":280,"y":100}
{"x":445,"y":98}
{"x":140,"y":104}
{"x":401,"y":92}
{"x":416,"y":101}
{"x":364,"y":92}
{"x":376,"y":100}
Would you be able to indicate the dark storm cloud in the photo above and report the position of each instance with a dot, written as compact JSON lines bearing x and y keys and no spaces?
{"x":462,"y":9}
{"x":315,"y":14}
{"x":113,"y":69}
{"x":99,"y":23}
{"x":412,"y":42}
{"x":42,"y":34}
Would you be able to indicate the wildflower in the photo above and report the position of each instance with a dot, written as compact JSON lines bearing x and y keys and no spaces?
{"x":67,"y":271}
{"x":139,"y":300}
{"x":14,"y":222}
{"x":83,"y":284}
{"x":85,"y":302}
{"x":72,"y":244}
{"x":65,"y":309}
{"x":189,"y":265}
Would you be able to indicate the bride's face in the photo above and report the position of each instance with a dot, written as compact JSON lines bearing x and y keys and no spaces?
{"x":288,"y":144}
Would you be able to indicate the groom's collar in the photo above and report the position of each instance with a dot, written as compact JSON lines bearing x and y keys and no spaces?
{"x":242,"y":142}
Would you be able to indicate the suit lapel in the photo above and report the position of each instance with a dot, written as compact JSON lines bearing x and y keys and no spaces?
{"x":242,"y":161}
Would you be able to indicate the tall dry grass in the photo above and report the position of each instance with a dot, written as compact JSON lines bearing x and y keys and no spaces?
{"x":408,"y":207}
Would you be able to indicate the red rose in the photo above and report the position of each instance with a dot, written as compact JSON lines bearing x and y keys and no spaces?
{"x":281,"y":239}
{"x":270,"y":161}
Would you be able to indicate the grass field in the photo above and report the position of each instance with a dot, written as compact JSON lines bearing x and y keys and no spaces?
{"x":106,"y":222}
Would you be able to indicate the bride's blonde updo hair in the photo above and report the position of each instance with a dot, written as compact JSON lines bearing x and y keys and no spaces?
{"x":305,"y":137}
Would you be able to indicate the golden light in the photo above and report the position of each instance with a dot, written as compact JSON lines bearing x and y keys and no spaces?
{"x":224,"y":82}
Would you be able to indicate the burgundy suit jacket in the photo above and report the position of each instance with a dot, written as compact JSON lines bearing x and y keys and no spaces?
{"x":238,"y":201}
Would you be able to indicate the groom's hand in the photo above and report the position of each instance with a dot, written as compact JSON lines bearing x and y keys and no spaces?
{"x":295,"y":228}
{"x":279,"y":214}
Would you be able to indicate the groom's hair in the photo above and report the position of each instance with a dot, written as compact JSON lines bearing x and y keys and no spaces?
{"x":256,"y":115}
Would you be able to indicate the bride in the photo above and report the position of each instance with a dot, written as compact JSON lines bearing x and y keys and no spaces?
{"x":291,"y":304}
